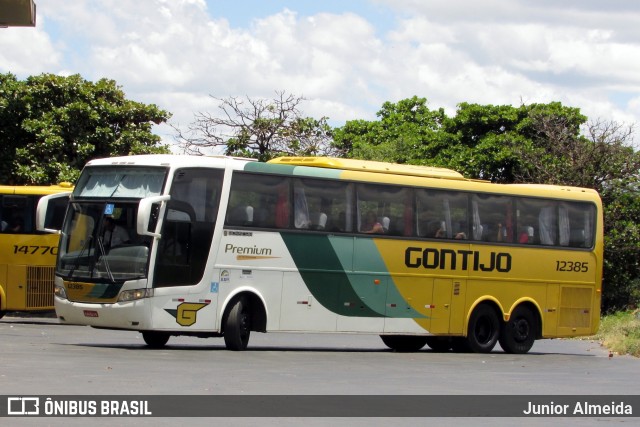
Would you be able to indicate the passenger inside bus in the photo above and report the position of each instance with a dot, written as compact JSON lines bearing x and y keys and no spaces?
{"x":437,"y":229}
{"x":371,"y":225}
{"x":114,"y":234}
{"x":14,"y":226}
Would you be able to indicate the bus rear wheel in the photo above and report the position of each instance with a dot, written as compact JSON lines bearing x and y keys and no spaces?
{"x":238,"y":326}
{"x":404,"y":343}
{"x":155,"y":339}
{"x":519,"y":333}
{"x":484,"y":329}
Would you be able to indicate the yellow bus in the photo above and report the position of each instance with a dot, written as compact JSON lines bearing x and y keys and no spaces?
{"x":27,"y":256}
{"x":220,"y":247}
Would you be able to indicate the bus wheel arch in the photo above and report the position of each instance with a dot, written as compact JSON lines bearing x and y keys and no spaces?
{"x":439,"y":344}
{"x":484,"y":326}
{"x":404,"y":343}
{"x":518,"y":334}
{"x":3,"y":299}
{"x":244,"y":313}
{"x":155,"y":339}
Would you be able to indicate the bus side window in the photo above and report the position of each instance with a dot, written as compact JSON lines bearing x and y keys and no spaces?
{"x":493,"y":218}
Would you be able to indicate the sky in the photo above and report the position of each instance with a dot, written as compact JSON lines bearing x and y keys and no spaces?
{"x":345,"y":57}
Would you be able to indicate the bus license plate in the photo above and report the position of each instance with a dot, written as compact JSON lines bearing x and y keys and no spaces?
{"x":90,"y":313}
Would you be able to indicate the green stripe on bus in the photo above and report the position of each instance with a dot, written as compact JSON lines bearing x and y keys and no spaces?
{"x":379,"y":296}
{"x":323,"y":274}
{"x":326,"y":264}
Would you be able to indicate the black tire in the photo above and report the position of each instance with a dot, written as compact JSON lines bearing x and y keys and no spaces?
{"x":155,"y":339}
{"x":404,"y":343}
{"x":520,"y":332}
{"x":484,"y":329}
{"x":439,"y":344}
{"x":237,"y":328}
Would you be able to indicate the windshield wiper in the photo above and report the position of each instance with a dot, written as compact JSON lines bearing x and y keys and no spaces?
{"x":84,"y":247}
{"x":104,"y":258}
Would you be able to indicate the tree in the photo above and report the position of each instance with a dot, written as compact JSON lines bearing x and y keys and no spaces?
{"x":50,"y":126}
{"x":257,"y":128}
{"x":480,"y":141}
{"x":621,"y":199}
{"x":407,"y":132}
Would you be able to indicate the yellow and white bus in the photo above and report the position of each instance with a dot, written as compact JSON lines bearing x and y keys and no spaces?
{"x":220,"y":247}
{"x":27,"y":257}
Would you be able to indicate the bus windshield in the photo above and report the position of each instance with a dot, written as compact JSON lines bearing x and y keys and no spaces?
{"x":100,"y":242}
{"x":99,"y":239}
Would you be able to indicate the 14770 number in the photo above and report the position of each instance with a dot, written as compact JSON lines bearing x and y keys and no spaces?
{"x":35,"y":250}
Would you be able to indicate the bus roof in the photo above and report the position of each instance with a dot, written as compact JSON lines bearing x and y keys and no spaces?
{"x":370,"y":166}
{"x":384,"y":172}
{"x":454,"y":177}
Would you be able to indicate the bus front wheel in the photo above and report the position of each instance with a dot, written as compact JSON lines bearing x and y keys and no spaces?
{"x":484,"y":329}
{"x":155,"y":339}
{"x":519,"y":333}
{"x":404,"y":343}
{"x":238,"y":326}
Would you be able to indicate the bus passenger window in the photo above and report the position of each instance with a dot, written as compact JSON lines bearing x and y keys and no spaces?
{"x":381,"y":209}
{"x":493,"y":218}
{"x":442,"y":214}
{"x":322,"y":205}
{"x":259,"y":202}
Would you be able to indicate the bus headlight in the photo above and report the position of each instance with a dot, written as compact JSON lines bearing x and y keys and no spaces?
{"x":134,"y":294}
{"x":60,"y":292}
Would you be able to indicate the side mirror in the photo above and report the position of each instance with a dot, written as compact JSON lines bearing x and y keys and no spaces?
{"x":46,"y":210}
{"x":148,"y":214}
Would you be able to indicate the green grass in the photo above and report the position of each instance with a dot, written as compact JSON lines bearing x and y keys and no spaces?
{"x":620,"y":332}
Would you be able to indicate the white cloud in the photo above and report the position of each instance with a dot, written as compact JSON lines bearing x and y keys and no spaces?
{"x":175,"y":54}
{"x":26,"y":49}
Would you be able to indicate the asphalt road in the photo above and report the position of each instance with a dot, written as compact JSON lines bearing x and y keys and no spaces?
{"x":39,"y":356}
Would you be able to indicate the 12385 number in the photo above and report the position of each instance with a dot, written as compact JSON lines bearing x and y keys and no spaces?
{"x":572,"y":266}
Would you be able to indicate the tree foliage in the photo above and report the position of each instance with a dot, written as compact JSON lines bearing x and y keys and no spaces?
{"x":544,"y":143}
{"x":257,"y":128}
{"x":50,"y":126}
